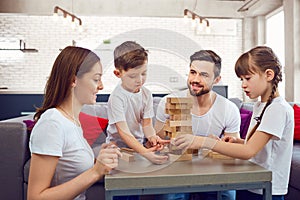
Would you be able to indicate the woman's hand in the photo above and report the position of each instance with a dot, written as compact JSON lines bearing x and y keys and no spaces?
{"x":108,"y":157}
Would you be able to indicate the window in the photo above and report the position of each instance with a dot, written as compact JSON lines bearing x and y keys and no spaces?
{"x":275,"y":40}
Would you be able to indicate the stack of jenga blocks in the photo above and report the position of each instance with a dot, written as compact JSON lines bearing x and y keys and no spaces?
{"x":179,"y":110}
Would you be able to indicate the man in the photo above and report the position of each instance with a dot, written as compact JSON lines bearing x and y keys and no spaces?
{"x":211,"y":113}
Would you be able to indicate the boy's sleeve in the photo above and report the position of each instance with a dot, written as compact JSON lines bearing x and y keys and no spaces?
{"x":148,"y":108}
{"x":116,"y":110}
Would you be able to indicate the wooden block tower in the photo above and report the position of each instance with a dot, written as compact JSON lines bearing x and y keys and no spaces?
{"x":179,"y":110}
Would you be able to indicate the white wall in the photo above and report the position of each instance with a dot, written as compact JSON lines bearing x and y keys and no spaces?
{"x":29,"y":71}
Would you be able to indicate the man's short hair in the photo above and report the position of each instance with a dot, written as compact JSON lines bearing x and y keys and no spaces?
{"x":209,"y":56}
{"x":129,"y":55}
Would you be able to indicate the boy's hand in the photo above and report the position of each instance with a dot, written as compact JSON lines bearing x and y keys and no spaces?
{"x":157,"y":142}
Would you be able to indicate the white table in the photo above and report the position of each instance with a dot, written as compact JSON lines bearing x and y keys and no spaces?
{"x":201,"y":174}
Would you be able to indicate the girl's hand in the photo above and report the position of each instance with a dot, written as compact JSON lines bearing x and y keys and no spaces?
{"x":230,"y":139}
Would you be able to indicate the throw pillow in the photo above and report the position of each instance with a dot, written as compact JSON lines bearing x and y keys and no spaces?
{"x":297,"y":122}
{"x":29,"y":124}
{"x":92,"y":126}
{"x":245,"y":122}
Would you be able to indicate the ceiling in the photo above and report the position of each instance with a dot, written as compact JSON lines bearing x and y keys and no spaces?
{"x":153,"y":8}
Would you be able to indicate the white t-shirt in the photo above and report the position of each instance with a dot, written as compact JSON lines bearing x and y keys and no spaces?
{"x":132,"y":108}
{"x":222,"y":117}
{"x":278,"y":120}
{"x":55,"y":135}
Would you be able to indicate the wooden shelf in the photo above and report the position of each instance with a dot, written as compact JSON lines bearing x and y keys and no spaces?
{"x":23,"y":50}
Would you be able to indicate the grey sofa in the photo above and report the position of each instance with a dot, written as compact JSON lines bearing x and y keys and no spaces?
{"x":15,"y":157}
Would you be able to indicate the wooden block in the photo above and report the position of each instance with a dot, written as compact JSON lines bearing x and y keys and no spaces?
{"x":180,"y":123}
{"x":170,"y":106}
{"x":128,"y":150}
{"x":177,"y":111}
{"x":180,"y":117}
{"x":183,"y":106}
{"x":178,"y":106}
{"x":192,"y":151}
{"x":184,"y":129}
{"x":179,"y":100}
{"x":169,"y":134}
{"x":183,"y":157}
{"x":168,"y":128}
{"x":215,"y":155}
{"x":175,"y":134}
{"x":128,"y":157}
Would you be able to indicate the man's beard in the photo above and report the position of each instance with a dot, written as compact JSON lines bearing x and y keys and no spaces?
{"x":197,"y":94}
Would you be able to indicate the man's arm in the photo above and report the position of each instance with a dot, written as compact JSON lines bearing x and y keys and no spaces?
{"x":234,"y":121}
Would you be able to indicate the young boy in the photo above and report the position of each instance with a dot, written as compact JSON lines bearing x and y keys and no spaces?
{"x":130,"y":105}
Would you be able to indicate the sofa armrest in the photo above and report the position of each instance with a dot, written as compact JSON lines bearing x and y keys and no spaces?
{"x":14,"y":152}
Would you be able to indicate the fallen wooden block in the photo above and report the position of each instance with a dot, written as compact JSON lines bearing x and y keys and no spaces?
{"x":215,"y":155}
{"x":178,"y":158}
{"x":127,"y":154}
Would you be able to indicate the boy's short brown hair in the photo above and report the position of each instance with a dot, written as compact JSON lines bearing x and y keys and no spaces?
{"x":129,"y":55}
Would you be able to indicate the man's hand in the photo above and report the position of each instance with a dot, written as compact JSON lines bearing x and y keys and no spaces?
{"x":185,"y":141}
{"x":154,"y":158}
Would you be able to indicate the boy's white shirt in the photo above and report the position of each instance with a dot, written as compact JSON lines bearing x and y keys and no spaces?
{"x":278,"y":120}
{"x":131,"y":108}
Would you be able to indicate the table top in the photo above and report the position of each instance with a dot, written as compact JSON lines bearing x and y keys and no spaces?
{"x":199,"y":171}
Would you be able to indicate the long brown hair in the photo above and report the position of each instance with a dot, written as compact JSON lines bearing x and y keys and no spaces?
{"x":71,"y":62}
{"x":258,"y":60}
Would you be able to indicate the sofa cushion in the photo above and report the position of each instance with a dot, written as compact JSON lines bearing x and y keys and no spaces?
{"x":245,"y":122}
{"x":295,"y":167}
{"x":29,"y":124}
{"x":92,"y":126}
{"x":297,"y":122}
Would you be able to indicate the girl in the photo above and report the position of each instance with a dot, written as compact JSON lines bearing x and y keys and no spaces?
{"x":62,"y":162}
{"x":270,"y":138}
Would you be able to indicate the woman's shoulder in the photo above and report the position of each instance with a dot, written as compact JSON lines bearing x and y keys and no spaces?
{"x":52,"y":115}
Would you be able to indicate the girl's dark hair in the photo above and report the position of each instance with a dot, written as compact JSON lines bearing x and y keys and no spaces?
{"x":258,"y":60}
{"x":71,"y":62}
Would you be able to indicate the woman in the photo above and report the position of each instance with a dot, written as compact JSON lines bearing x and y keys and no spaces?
{"x":62,"y":163}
